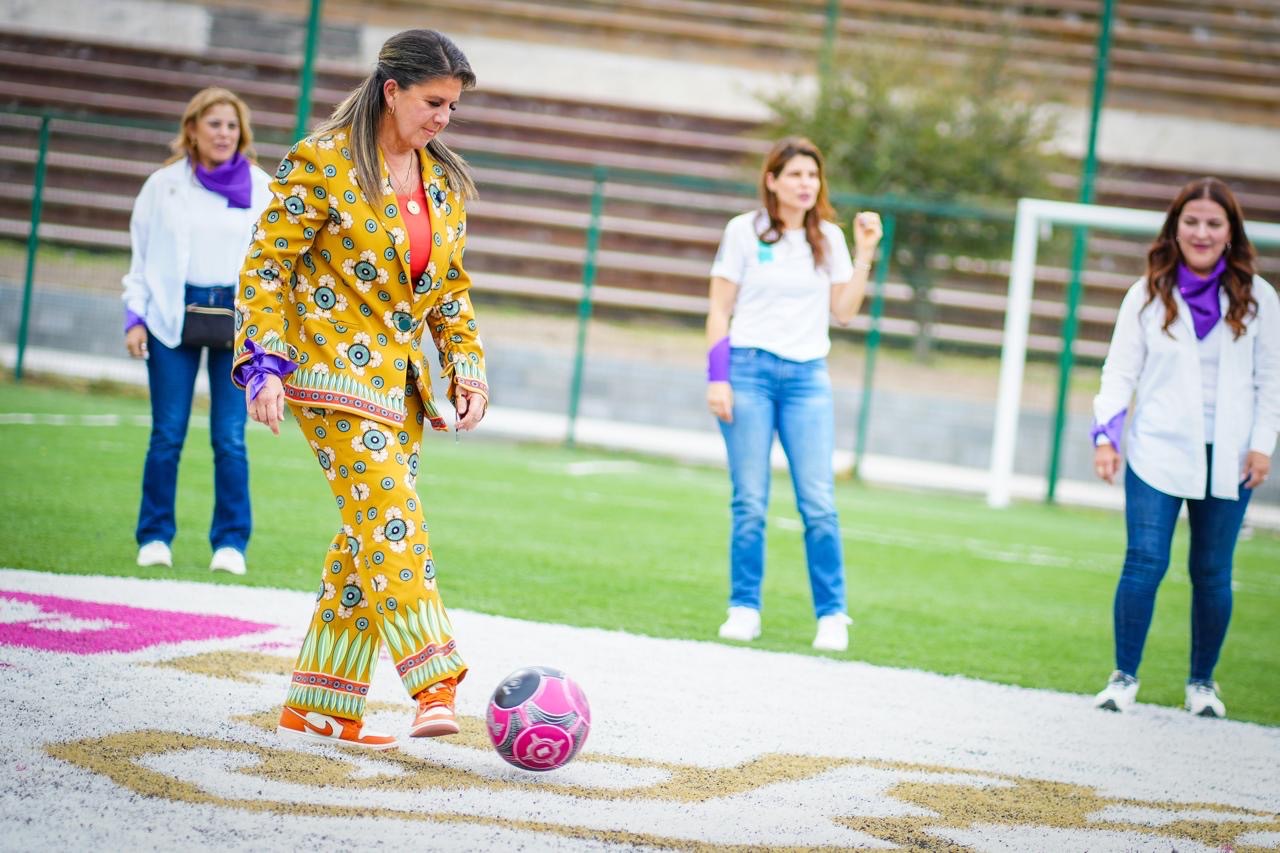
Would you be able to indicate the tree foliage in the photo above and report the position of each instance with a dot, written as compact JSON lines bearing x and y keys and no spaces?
{"x":903,"y":123}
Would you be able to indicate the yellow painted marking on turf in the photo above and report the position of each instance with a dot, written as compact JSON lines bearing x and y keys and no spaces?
{"x":950,"y":796}
{"x":119,"y":757}
{"x":234,"y":666}
{"x":1028,"y":803}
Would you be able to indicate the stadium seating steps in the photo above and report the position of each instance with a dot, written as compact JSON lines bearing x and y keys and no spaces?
{"x":528,"y":229}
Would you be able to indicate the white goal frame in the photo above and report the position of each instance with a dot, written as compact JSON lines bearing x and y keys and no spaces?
{"x":1034,"y":214}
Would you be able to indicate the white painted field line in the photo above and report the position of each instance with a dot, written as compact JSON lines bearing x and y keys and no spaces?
{"x":593,"y":467}
{"x":103,"y":420}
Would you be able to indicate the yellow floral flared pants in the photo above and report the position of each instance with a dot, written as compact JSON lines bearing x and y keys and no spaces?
{"x":379,"y":581}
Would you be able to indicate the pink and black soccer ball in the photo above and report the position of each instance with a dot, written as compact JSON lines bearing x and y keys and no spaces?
{"x":538,"y":718}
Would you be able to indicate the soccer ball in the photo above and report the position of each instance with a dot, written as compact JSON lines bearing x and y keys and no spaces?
{"x":538,"y":718}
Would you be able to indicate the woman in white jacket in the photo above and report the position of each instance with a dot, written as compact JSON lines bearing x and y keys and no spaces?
{"x":192,"y":224}
{"x":1196,"y":349}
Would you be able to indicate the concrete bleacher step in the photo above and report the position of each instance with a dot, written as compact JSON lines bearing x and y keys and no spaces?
{"x":529,"y":226}
{"x":1202,"y":60}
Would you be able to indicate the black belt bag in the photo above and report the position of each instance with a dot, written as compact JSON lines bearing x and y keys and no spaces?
{"x":208,"y":326}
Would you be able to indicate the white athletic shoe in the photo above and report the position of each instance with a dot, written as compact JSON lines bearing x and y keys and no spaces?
{"x":1120,"y":694}
{"x":155,"y":554}
{"x":227,"y":560}
{"x":742,"y":625}
{"x":1203,"y":700}
{"x":833,"y":633}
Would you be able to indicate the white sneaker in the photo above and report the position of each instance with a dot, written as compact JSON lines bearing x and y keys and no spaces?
{"x":1120,"y":694}
{"x":742,"y":625}
{"x":833,"y":633}
{"x":1203,"y":700}
{"x":227,"y":560}
{"x":155,"y":554}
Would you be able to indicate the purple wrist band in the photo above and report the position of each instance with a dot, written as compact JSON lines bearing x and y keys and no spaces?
{"x":253,"y":373}
{"x":131,"y":319}
{"x":718,"y":361}
{"x":1112,"y":429}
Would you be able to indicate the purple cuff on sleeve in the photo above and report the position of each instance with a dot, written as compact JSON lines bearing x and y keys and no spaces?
{"x":718,"y":361}
{"x":1112,"y":429}
{"x":253,"y":373}
{"x":131,"y":319}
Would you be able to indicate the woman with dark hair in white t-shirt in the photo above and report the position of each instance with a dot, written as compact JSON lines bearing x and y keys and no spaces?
{"x":781,"y":273}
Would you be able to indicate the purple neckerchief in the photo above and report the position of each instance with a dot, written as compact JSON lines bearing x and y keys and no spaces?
{"x":1201,"y":295}
{"x":131,"y":319}
{"x":230,"y":180}
{"x":718,"y":361}
{"x":1112,"y":429}
{"x":253,"y":373}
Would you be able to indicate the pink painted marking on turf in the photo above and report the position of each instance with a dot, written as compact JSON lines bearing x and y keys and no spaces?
{"x":131,"y":628}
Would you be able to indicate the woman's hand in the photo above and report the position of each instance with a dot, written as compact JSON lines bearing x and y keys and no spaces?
{"x":867,"y":232}
{"x":135,"y":341}
{"x":268,"y":407}
{"x":1106,"y":462}
{"x":470,"y":407}
{"x":1257,"y":467}
{"x":720,"y":400}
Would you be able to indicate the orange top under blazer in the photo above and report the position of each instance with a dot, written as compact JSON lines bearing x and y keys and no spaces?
{"x":326,"y":283}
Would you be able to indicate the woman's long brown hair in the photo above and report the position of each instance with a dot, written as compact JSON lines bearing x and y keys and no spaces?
{"x":1237,"y":278}
{"x":774,"y":162}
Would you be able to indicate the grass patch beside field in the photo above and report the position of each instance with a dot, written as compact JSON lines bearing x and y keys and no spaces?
{"x":936,"y":582}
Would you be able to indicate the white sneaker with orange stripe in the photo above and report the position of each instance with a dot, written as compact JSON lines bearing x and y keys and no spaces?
{"x":435,"y":711}
{"x":316,"y":727}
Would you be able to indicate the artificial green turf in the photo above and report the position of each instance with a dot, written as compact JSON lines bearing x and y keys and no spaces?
{"x":936,"y":582}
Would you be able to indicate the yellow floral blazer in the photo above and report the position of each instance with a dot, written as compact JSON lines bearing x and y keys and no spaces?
{"x":326,"y":284}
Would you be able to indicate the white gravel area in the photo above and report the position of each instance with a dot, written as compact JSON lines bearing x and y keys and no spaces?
{"x":693,"y":744}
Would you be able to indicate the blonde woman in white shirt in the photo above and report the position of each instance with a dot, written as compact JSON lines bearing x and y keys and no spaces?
{"x":1196,"y":348}
{"x":781,"y":274}
{"x":192,"y":223}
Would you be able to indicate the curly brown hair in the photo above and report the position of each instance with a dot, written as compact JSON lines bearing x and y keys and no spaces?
{"x":1164,"y":255}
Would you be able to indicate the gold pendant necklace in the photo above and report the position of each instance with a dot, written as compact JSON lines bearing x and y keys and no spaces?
{"x":411,"y":205}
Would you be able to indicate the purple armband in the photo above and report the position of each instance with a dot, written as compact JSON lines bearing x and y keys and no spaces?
{"x":718,"y":361}
{"x":131,"y":319}
{"x":1112,"y":429}
{"x":253,"y":373}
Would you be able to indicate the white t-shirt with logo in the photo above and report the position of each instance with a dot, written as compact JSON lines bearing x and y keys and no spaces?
{"x":784,"y":302}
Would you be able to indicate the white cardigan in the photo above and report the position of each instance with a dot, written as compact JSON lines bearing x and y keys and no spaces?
{"x":1164,"y":439}
{"x":160,"y":236}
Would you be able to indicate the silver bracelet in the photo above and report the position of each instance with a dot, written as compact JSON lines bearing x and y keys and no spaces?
{"x":863,"y":266}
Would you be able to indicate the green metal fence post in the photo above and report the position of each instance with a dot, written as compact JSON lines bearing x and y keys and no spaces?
{"x":873,"y":342}
{"x":584,"y":305}
{"x":1078,"y":248}
{"x":827,"y":55}
{"x":308,"y":70}
{"x":33,"y":243}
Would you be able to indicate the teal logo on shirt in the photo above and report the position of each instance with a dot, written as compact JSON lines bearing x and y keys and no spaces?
{"x":764,"y":252}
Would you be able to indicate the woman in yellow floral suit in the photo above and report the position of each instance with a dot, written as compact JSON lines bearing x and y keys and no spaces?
{"x":360,"y":250}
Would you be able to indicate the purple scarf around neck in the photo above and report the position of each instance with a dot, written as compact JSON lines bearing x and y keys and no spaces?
{"x":230,"y":180}
{"x":1201,"y":295}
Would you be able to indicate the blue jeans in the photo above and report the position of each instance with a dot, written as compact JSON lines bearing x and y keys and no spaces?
{"x":793,"y":399}
{"x":1150,"y":516}
{"x":171,"y":374}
